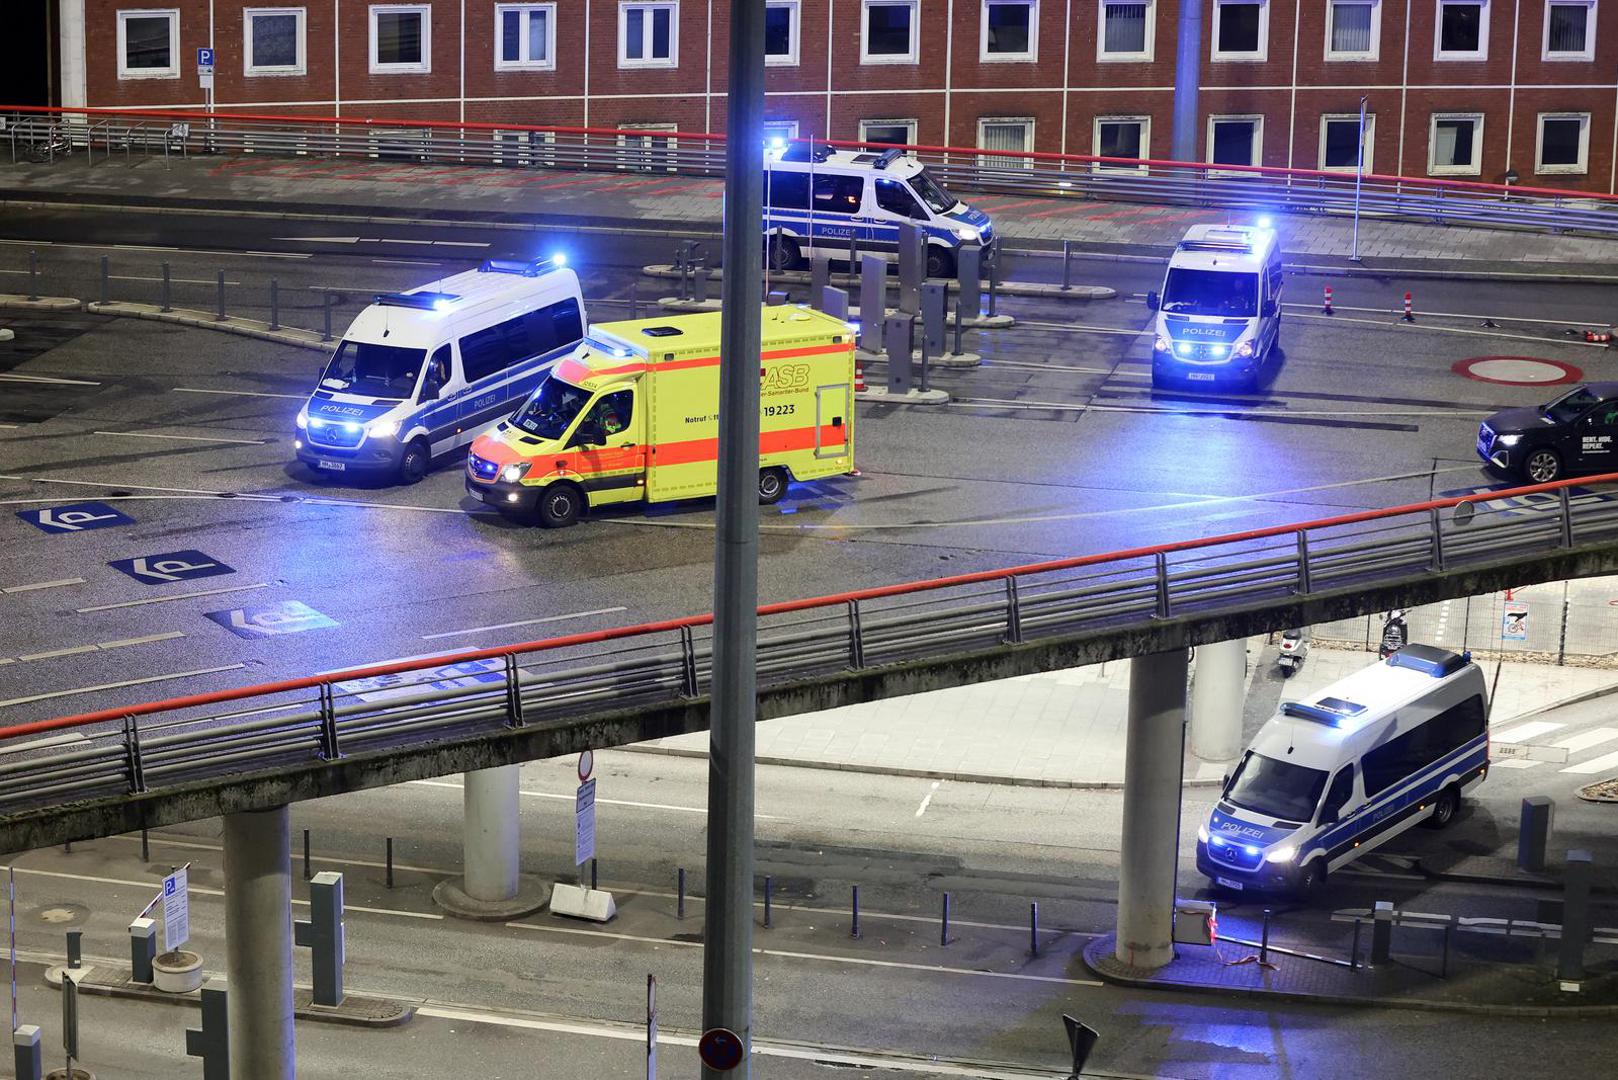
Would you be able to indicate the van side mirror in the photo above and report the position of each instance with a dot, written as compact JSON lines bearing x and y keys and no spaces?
{"x":1153,"y":300}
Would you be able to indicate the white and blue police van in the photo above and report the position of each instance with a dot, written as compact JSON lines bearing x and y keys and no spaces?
{"x":817,"y":200}
{"x":1219,"y":313}
{"x":420,"y":374}
{"x":1332,"y":777}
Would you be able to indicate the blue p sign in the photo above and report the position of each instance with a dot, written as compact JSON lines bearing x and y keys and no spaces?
{"x":204,"y":58}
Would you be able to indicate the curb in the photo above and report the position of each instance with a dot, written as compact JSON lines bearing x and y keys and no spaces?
{"x":532,"y":896}
{"x":20,"y":302}
{"x":912,"y":396}
{"x":1005,"y":288}
{"x":303,"y":339}
{"x":946,"y":360}
{"x":1104,"y":967}
{"x":400,"y":1015}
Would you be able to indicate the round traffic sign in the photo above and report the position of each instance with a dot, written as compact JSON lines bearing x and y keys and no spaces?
{"x":587,"y":765}
{"x":1517,"y":370}
{"x":720,"y":1049}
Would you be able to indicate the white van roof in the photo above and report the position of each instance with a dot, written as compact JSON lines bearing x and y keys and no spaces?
{"x":891,"y":162}
{"x":425,"y":316}
{"x":1235,"y":248}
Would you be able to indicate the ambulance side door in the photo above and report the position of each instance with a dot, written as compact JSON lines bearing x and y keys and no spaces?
{"x":613,"y":469}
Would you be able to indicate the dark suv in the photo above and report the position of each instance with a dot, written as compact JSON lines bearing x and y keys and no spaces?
{"x":1578,"y":432}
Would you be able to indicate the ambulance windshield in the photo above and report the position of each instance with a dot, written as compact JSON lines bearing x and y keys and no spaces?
{"x":1210,"y":292}
{"x":1275,"y":788}
{"x":379,"y":371}
{"x":551,"y":408}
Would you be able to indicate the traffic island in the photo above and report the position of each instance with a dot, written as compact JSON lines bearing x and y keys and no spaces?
{"x":913,"y":396}
{"x":532,"y":895}
{"x":356,"y":1010}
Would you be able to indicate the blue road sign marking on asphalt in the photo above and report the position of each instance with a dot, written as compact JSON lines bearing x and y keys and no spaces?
{"x":76,"y":517}
{"x":272,"y":620}
{"x":171,"y":566}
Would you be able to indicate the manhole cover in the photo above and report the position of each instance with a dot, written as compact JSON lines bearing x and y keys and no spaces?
{"x":1517,"y":370}
{"x":62,"y":913}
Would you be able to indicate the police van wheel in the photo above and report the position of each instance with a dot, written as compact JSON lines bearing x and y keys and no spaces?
{"x":1449,"y":802}
{"x":940,"y":262}
{"x":413,"y":465}
{"x":559,"y":506}
{"x":1542,"y":466}
{"x":783,"y":253}
{"x":772,"y":484}
{"x":1311,"y":878}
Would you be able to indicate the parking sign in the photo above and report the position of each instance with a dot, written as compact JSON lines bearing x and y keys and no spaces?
{"x":176,"y":910}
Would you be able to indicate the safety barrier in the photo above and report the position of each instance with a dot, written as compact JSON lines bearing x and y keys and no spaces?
{"x":43,"y":133}
{"x":560,"y":680}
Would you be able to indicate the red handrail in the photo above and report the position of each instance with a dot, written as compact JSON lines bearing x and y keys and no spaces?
{"x":1427,"y":182}
{"x":784,"y":607}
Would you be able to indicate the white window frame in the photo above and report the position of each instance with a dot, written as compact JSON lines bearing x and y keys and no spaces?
{"x":1145,"y":123}
{"x":1263,"y":52}
{"x":780,"y":129}
{"x":299,"y":67}
{"x":1475,"y":169}
{"x":1001,"y":161}
{"x":1370,"y":141}
{"x":909,"y":125}
{"x":1589,"y":51}
{"x":1583,"y":166}
{"x":1104,"y":57}
{"x":523,"y":38}
{"x":1257,"y":156}
{"x":673,"y":58}
{"x":426,"y":65}
{"x":796,"y":22}
{"x":914,"y":55}
{"x":1482,"y":52}
{"x":645,"y":134}
{"x":170,"y":72}
{"x":1027,"y":57}
{"x":1375,"y":52}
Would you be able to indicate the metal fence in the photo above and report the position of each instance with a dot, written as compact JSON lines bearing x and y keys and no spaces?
{"x":38,"y":133}
{"x":562,"y":680}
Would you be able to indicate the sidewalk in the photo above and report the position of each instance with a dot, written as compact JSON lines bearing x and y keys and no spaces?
{"x":687,"y":206}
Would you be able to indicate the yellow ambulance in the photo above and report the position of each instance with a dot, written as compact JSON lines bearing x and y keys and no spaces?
{"x":633,"y":415}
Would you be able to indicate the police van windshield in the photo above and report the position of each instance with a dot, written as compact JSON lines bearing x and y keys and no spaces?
{"x":550,"y":409}
{"x":1277,"y":789}
{"x":1210,"y":292}
{"x":932,"y":192}
{"x":1572,"y":405}
{"x":380,"y":371}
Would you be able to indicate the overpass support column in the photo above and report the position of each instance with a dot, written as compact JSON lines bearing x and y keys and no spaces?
{"x":258,"y":943}
{"x":1154,"y":765}
{"x":492,"y":886}
{"x":1218,"y":683}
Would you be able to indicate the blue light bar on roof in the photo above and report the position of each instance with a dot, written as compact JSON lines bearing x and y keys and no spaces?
{"x":1439,"y":663}
{"x":421,"y":301}
{"x":1320,"y":713}
{"x":526,"y":268}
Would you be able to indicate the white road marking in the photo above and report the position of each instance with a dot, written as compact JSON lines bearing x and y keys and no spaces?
{"x":41,"y":744}
{"x":460,"y":243}
{"x":607,"y":802}
{"x":103,"y":646}
{"x":927,"y":800}
{"x":524,"y":622}
{"x":1208,"y":410}
{"x":119,"y":685}
{"x":9,"y":589}
{"x":9,"y":427}
{"x":173,"y":596}
{"x":202,"y":890}
{"x":409,"y":262}
{"x":1524,"y":732}
{"x":175,"y":280}
{"x":1605,"y":763}
{"x":238,"y":393}
{"x":1515,"y":763}
{"x":177,"y":251}
{"x":1585,"y":740}
{"x":1081,"y":328}
{"x":1210,"y":770}
{"x":12,"y":376}
{"x":181,"y":438}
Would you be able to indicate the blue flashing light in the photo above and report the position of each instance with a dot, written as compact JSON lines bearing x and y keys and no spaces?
{"x":559,"y":259}
{"x":443,"y":304}
{"x":777,"y":143}
{"x":1265,"y":222}
{"x":1217,"y":350}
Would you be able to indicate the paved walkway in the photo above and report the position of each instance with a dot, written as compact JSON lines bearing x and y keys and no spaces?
{"x":676,"y":204}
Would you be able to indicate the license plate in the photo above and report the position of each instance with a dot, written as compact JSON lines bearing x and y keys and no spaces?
{"x":1228,"y":883}
{"x":1200,"y":376}
{"x":334,"y":466}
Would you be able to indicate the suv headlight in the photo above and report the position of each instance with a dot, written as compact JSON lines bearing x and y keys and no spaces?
{"x":1284,"y":853}
{"x":382,"y":429}
{"x":513,"y":473}
{"x":1508,"y":440}
{"x":1245,"y":349}
{"x":303,"y":416}
{"x":1161,"y":344}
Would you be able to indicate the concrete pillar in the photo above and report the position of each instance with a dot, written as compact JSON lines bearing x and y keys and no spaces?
{"x":70,"y":80}
{"x":1218,"y":685}
{"x":1154,"y":764}
{"x":492,"y":843}
{"x":258,"y":943}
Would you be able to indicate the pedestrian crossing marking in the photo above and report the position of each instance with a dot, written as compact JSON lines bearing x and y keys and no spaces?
{"x":1586,"y":740}
{"x":1605,"y":763}
{"x":1525,"y":732}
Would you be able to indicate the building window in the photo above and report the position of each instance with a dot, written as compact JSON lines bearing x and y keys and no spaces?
{"x":888,"y":132}
{"x":1463,"y":30}
{"x":888,"y":34}
{"x":401,"y":38}
{"x":273,"y":41}
{"x":781,"y":22}
{"x":1010,"y":30}
{"x":648,"y":149}
{"x":1340,"y":141}
{"x":1353,"y":29}
{"x":782,"y":131}
{"x":525,"y":37}
{"x":1235,"y":140}
{"x":1570,"y":30}
{"x":1456,"y":145}
{"x":1564,"y":143}
{"x":149,"y":44}
{"x":1241,"y":29}
{"x":648,"y":35}
{"x":1127,"y":29}
{"x":1122,"y":137}
{"x":1005,"y":133}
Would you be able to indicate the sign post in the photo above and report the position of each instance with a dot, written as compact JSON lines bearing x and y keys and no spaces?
{"x":176,"y":910}
{"x":583,"y":900}
{"x":584,"y":824}
{"x":651,"y":1027}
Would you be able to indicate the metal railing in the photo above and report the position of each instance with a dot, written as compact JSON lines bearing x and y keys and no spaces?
{"x":562,"y":680}
{"x":44,"y":133}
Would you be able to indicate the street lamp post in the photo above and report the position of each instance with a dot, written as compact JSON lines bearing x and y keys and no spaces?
{"x":1359,"y":177}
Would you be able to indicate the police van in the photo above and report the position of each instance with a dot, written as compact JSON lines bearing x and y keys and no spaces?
{"x":816,"y":200}
{"x":1219,"y":314}
{"x":418,"y":374}
{"x":1332,"y":777}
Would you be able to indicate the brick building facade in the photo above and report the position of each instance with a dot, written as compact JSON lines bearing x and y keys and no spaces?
{"x":1460,"y":88}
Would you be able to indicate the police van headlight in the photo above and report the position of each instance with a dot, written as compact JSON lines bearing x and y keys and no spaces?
{"x":382,"y":429}
{"x":1202,"y":833}
{"x":1507,"y":440}
{"x":1245,"y":349}
{"x":967,"y":233}
{"x":513,"y":473}
{"x":1284,"y":853}
{"x":1162,"y":344}
{"x":303,"y":416}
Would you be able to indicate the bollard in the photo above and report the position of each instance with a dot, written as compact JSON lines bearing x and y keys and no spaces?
{"x":775,"y":297}
{"x":390,"y":862}
{"x":896,"y":334}
{"x":325,"y":304}
{"x":142,"y":949}
{"x":819,"y":275}
{"x":1575,"y":919}
{"x":934,"y":328}
{"x":994,"y":287}
{"x":943,"y":924}
{"x":634,"y":299}
{"x":960,"y":328}
{"x":1409,"y":315}
{"x":106,"y":279}
{"x":306,"y":871}
{"x":969,"y":273}
{"x":145,"y":845}
{"x":1326,"y":305}
{"x":679,"y":909}
{"x":275,"y":304}
{"x":1033,"y":928}
{"x":769,"y":890}
{"x":1382,"y":932}
{"x":75,"y":949}
{"x":1264,"y":939}
{"x":219,"y":316}
{"x":854,"y":927}
{"x":873,"y":301}
{"x":167,"y":293}
{"x":322,"y":934}
{"x":853,"y":254}
{"x":833,"y":302}
{"x":211,"y":1042}
{"x":1082,"y":1039}
{"x":593,"y":878}
{"x":26,"y":1053}
{"x":68,"y":847}
{"x":1534,"y":833}
{"x":1443,"y":964}
{"x":1354,"y":947}
{"x":33,"y":274}
{"x":912,"y":267}
{"x":699,"y":285}
{"x":1067,"y":280}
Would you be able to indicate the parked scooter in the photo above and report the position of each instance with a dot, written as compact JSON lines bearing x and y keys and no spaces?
{"x":1294,"y":647}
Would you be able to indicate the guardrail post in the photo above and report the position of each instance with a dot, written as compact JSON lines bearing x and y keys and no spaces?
{"x":688,"y":662}
{"x":1162,"y":585}
{"x":137,"y":771}
{"x":1013,"y":613}
{"x":329,"y":749}
{"x":513,"y":692}
{"x":167,"y":290}
{"x":275,"y":304}
{"x":106,"y":279}
{"x":220,"y":315}
{"x":1436,"y":563}
{"x":33,"y":274}
{"x":1567,"y":516}
{"x":1303,"y":562}
{"x":856,"y":638}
